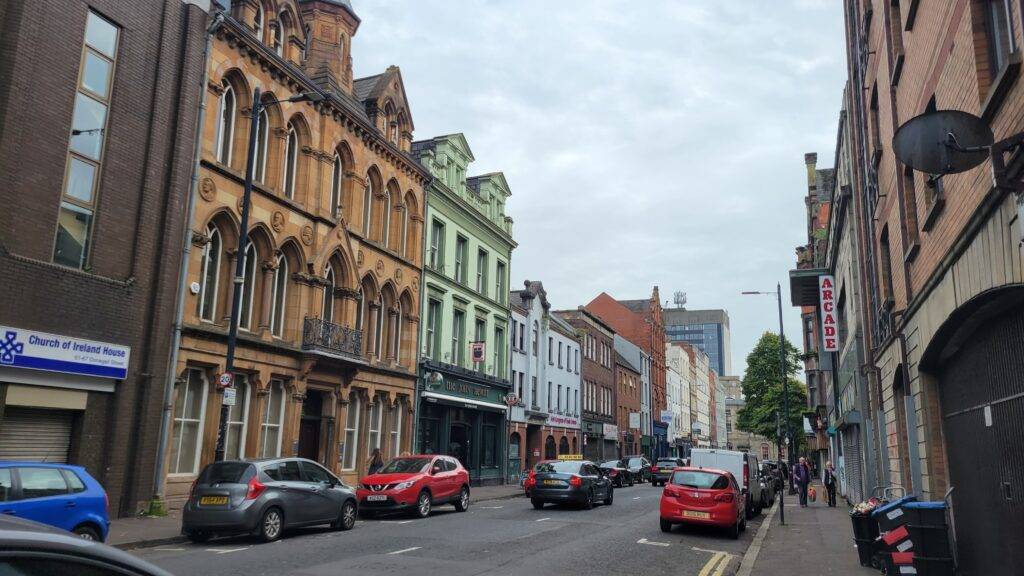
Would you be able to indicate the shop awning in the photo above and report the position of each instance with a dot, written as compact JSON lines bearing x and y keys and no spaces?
{"x":803,"y":286}
{"x":466,"y":401}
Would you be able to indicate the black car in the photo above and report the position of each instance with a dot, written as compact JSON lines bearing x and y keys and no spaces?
{"x":779,"y":471}
{"x":639,"y":467}
{"x":661,"y":471}
{"x":570,"y":482}
{"x":617,"y":473}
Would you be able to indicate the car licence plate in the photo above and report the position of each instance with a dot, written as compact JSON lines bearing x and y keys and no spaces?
{"x":213,"y":500}
{"x":695,"y":514}
{"x":376,"y":498}
{"x":552,"y":482}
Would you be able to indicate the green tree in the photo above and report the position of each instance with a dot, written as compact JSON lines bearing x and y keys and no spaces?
{"x":762,"y":389}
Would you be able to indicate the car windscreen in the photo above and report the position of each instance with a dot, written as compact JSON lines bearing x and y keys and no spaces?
{"x":636,"y":462}
{"x":698,"y":479}
{"x":559,"y":468}
{"x":405,"y":466}
{"x":612,"y":464}
{"x":227,"y":473}
{"x":668,"y":463}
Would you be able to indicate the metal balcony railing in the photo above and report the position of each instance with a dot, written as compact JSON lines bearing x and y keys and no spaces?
{"x":319,"y":335}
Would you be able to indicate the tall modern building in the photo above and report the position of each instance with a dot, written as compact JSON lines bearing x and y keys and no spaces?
{"x":708,"y":330}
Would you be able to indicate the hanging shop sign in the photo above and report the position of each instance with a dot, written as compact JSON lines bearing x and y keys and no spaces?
{"x":829,"y":325}
{"x":477,"y":351}
{"x":21,"y":348}
{"x":562,"y":420}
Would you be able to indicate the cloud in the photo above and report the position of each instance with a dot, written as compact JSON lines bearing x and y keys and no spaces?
{"x":645,"y":143}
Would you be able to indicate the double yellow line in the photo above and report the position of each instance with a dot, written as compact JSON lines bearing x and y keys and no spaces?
{"x":716,"y":564}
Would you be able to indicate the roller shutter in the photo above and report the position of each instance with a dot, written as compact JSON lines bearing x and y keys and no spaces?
{"x":35,"y":435}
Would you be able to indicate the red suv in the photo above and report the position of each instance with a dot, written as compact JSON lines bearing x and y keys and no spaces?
{"x":416,"y":484}
{"x":703,"y":496}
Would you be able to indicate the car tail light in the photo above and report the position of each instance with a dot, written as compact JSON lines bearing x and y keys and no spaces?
{"x":654,"y":468}
{"x":746,"y":474}
{"x":255,"y":489}
{"x":575,"y":481}
{"x":671,"y":491}
{"x":531,"y":478}
{"x":724,"y":497}
{"x":192,"y":490}
{"x":614,"y":472}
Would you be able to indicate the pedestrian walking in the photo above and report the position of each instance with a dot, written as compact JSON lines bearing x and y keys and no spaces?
{"x":829,"y":480}
{"x":375,"y":463}
{"x":802,"y":479}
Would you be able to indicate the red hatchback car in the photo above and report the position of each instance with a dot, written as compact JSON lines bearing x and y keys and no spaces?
{"x":415,"y":484}
{"x":703,"y":496}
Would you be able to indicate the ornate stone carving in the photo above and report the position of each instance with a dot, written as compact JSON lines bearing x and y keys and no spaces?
{"x":416,"y":283}
{"x":238,"y":204}
{"x":208,"y":189}
{"x":360,"y":258}
{"x":398,"y":274}
{"x":307,"y":235}
{"x":380,"y":266}
{"x":215,"y":88}
{"x":277,"y":221}
{"x":199,"y":239}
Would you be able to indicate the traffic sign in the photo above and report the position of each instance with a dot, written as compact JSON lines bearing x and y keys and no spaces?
{"x":230,"y":396}
{"x":225,"y":379}
{"x":511,"y":399}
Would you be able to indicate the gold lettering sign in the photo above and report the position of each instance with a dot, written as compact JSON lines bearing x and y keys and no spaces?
{"x":466,"y":389}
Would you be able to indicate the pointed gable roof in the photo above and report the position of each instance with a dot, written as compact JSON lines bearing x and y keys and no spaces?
{"x":375,"y":89}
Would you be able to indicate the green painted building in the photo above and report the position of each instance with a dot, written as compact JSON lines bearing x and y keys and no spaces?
{"x":465,"y":322}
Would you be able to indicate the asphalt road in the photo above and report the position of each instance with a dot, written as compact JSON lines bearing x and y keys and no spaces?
{"x":493,"y":537}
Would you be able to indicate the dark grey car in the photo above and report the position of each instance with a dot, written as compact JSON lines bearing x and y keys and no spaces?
{"x":265,"y":497}
{"x":571,"y":482}
{"x":28,"y":547}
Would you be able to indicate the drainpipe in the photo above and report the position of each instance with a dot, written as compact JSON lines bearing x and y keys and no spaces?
{"x":157,"y":505}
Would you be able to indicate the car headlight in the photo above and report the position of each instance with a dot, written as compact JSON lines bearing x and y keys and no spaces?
{"x":361,"y":486}
{"x":404,"y":485}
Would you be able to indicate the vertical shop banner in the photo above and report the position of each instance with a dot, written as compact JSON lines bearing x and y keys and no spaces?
{"x":827,"y":301}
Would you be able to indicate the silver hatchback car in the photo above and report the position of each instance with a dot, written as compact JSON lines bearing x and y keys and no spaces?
{"x":264,"y":497}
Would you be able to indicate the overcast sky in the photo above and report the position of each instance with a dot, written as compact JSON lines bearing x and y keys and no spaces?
{"x":645,"y":143}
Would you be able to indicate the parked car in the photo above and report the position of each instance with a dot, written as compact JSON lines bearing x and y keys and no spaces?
{"x":28,"y":547}
{"x":639,"y":468}
{"x":60,"y":495}
{"x":571,"y":482}
{"x":617,"y":473}
{"x":703,"y":496}
{"x":743,"y":466}
{"x":768,"y":485}
{"x":265,"y":497}
{"x":531,"y":477}
{"x":415,"y":484}
{"x":662,"y":469}
{"x":779,"y":471}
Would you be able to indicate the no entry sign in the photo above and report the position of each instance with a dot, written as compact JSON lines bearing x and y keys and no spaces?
{"x":829,"y":325}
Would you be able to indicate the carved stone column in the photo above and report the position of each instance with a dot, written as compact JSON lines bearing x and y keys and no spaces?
{"x":370,"y":333}
{"x":393,"y":335}
{"x":268,"y":267}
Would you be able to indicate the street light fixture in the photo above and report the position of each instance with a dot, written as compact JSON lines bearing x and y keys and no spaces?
{"x":312,"y":96}
{"x":785,"y":394}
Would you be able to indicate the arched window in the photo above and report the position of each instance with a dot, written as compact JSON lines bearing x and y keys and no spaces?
{"x":257,"y":23}
{"x":549,"y":448}
{"x":210,"y":274}
{"x":276,"y":42}
{"x":226,"y":123}
{"x":291,"y":157}
{"x":262,"y":137}
{"x":368,"y":193}
{"x":328,"y":304}
{"x":378,"y":330}
{"x":248,"y":287}
{"x":386,"y":219}
{"x":336,"y":176}
{"x":277,"y":303}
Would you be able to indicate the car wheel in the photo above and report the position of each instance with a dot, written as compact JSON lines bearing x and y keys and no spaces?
{"x":743,"y":525}
{"x":589,"y":502}
{"x":537,"y":504}
{"x":666,"y":526}
{"x":198,"y":537}
{"x":734,"y":532}
{"x":609,"y":498}
{"x":462,"y":504}
{"x":749,"y":508}
{"x":347,"y":517}
{"x":630,"y":480}
{"x":86,"y":532}
{"x":271,"y":525}
{"x":423,"y":505}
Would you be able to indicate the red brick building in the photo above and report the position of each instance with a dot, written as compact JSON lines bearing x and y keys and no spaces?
{"x":597,"y":387}
{"x":627,"y":398}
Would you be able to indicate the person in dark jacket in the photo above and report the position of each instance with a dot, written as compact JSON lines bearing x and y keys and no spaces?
{"x":829,"y":479}
{"x":802,"y":479}
{"x":375,"y":463}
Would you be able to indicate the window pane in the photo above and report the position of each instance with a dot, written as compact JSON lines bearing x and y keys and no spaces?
{"x":41,"y":482}
{"x":95,"y":74}
{"x":88,"y":122}
{"x":81,"y":176}
{"x":72,"y":242}
{"x":101,"y":35}
{"x":6,"y":487}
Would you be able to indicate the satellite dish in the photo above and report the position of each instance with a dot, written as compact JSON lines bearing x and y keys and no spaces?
{"x":943,"y":142}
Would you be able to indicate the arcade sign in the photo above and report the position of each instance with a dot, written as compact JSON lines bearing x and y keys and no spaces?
{"x":827,"y":299}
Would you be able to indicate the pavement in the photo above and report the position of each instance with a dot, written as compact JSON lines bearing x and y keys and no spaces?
{"x":147,"y":531}
{"x":815,"y":540}
{"x":495,"y":536}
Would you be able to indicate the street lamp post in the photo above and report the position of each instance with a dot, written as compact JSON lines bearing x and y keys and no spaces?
{"x":785,"y":397}
{"x":243,"y":240}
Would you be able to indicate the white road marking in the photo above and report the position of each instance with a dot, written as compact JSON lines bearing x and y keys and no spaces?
{"x":404,"y":551}
{"x":397,"y":521}
{"x":227,"y":550}
{"x":543,"y":519}
{"x":637,"y":497}
{"x":649,"y":543}
{"x":709,"y":551}
{"x":169,"y":549}
{"x":490,"y":507}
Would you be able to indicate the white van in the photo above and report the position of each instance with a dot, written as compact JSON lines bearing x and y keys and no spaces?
{"x":743,"y":465}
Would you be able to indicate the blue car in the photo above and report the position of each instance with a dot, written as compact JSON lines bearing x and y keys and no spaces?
{"x":60,"y":495}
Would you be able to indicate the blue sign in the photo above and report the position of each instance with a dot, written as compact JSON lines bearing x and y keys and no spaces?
{"x":21,"y":348}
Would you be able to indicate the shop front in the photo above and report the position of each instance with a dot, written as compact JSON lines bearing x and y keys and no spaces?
{"x":661,"y":445}
{"x":593,"y":440}
{"x":467,"y":420}
{"x":611,"y":442}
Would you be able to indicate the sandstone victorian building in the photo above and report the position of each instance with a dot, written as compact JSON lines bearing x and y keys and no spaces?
{"x":326,"y":360}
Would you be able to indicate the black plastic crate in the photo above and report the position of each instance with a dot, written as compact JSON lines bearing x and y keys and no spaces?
{"x":865,"y":550}
{"x":926,"y":566}
{"x":930,"y":541}
{"x":891,"y":516}
{"x":864,"y":526}
{"x":926,"y":513}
